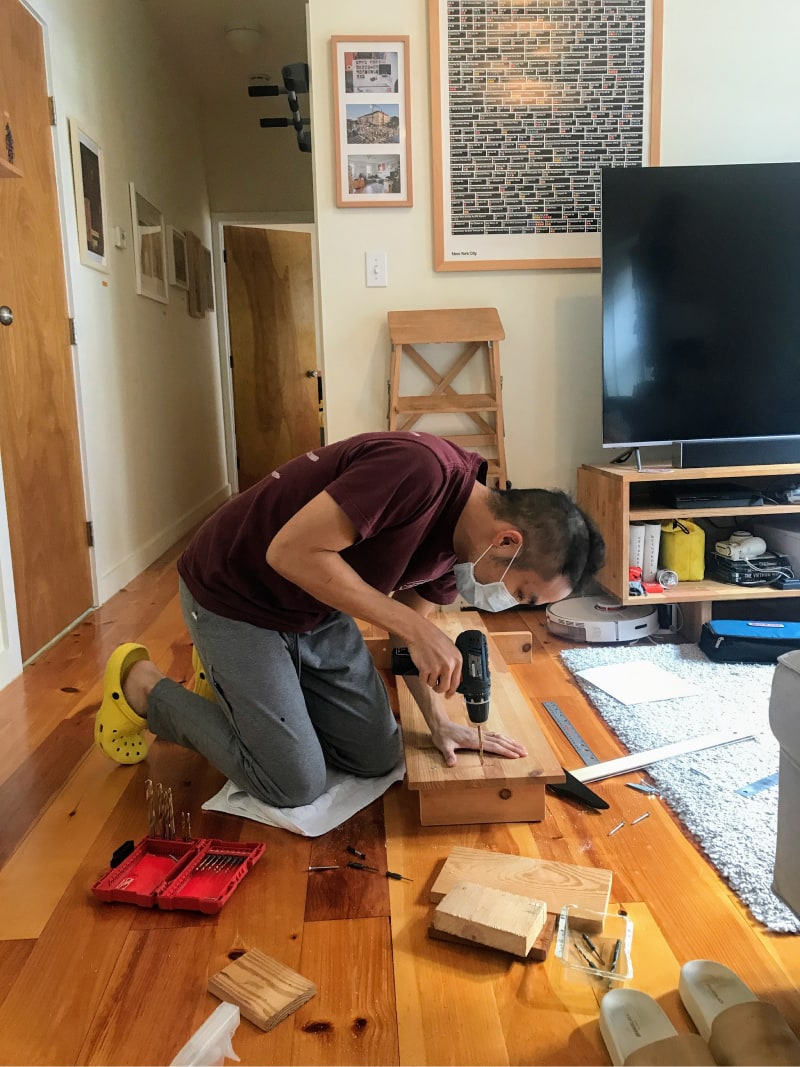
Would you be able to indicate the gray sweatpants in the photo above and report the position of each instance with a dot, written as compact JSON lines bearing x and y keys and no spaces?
{"x":287,"y":705}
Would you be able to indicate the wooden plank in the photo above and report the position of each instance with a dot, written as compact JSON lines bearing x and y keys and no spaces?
{"x":445,"y":325}
{"x":557,"y":884}
{"x":380,"y":648}
{"x":151,"y":989}
{"x":353,"y":1018}
{"x":349,"y":894}
{"x":514,"y":645}
{"x":481,"y":802}
{"x":13,"y":955}
{"x":265,"y":990}
{"x":538,"y":952}
{"x":510,"y":714}
{"x":505,"y":921}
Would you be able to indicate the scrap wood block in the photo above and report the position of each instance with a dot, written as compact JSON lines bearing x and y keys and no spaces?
{"x":265,"y":990}
{"x":506,"y":921}
{"x":557,"y":884}
{"x":500,"y":789}
{"x":538,"y":952}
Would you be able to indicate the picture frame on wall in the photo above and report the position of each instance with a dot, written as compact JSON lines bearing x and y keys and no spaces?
{"x":520,"y":134}
{"x":196,"y":296}
{"x":88,"y":179}
{"x":372,"y":117}
{"x":208,"y":279}
{"x":177,"y":258}
{"x":149,"y":248}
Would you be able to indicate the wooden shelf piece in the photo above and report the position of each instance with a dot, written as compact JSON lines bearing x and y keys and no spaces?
{"x":500,"y":790}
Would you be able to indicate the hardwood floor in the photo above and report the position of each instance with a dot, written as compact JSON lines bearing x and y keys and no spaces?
{"x":84,"y":982}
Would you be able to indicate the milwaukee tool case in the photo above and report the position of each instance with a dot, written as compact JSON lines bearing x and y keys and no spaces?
{"x":739,"y":641}
{"x":197,"y":875}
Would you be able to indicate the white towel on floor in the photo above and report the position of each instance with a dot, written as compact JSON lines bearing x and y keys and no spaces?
{"x":344,"y":795}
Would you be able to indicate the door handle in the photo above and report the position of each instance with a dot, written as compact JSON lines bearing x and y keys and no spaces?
{"x":312,"y":374}
{"x":6,"y":315}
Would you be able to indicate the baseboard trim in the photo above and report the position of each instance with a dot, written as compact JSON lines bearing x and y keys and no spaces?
{"x":113,"y":580}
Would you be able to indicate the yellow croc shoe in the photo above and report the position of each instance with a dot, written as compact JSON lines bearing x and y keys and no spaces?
{"x":202,"y":686}
{"x":118,"y":730}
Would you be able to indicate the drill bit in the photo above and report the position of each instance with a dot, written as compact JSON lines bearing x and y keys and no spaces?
{"x":480,"y":743}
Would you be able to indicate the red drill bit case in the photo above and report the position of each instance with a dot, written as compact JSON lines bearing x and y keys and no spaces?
{"x":197,"y":875}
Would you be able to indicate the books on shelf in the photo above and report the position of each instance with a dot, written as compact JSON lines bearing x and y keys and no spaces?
{"x":652,"y":541}
{"x":636,"y":545}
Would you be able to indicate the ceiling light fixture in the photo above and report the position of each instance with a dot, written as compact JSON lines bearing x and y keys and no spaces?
{"x":243,"y":39}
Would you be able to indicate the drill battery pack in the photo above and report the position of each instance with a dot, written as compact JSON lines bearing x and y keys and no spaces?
{"x":196,"y":875}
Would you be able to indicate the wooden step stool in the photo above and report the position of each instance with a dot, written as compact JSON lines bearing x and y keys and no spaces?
{"x":478,"y":330}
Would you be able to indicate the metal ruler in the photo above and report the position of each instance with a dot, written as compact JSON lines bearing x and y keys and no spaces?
{"x":569,"y":731}
{"x":758,"y":786}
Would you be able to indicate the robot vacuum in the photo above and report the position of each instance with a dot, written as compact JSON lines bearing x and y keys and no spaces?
{"x":600,"y":620}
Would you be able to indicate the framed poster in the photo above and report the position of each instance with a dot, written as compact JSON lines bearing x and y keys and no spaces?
{"x":149,"y":248}
{"x":529,"y":101}
{"x":88,"y":180}
{"x":196,"y":296}
{"x":371,"y":98}
{"x":177,"y":258}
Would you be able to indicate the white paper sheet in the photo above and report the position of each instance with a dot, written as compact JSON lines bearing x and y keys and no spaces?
{"x":344,"y":796}
{"x":638,"y":682}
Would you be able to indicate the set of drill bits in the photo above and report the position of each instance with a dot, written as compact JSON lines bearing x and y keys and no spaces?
{"x":161,"y":813}
{"x":218,"y":861}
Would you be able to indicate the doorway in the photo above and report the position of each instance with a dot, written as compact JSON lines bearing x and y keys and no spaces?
{"x":272,"y":382}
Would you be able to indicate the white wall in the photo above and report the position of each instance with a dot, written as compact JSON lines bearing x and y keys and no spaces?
{"x":149,"y":374}
{"x":731,"y":85}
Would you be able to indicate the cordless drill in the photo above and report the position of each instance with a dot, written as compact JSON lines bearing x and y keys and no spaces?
{"x":476,"y":681}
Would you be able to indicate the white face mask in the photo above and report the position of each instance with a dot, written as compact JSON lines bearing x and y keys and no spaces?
{"x":489,"y":596}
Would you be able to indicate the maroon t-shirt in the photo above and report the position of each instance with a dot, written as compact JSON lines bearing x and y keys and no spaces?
{"x":403,"y":492}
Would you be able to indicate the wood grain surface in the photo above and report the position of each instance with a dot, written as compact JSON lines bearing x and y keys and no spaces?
{"x":84,"y":982}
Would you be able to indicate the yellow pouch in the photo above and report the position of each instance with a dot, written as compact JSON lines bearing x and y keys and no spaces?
{"x":683,"y":547}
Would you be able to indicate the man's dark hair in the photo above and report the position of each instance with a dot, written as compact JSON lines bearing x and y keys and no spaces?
{"x":559,"y":538}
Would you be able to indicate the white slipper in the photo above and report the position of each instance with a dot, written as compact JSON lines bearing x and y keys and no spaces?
{"x":638,"y":1033}
{"x":740,"y":1029}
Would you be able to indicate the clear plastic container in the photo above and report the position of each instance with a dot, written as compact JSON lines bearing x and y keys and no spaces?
{"x":210,"y":1045}
{"x":595,"y":943}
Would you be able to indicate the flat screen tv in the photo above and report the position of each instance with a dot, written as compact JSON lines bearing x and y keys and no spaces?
{"x":701,"y":306}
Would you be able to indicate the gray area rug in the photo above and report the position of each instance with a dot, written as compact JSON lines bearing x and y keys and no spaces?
{"x":737,"y":833}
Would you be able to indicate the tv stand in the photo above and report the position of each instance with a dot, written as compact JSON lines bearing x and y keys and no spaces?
{"x":626,"y":455}
{"x":616,"y":496}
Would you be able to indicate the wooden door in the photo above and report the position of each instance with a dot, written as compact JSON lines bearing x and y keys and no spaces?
{"x":270,"y":290}
{"x":38,"y":411}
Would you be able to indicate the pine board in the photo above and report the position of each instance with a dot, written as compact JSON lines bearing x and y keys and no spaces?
{"x":510,"y":714}
{"x":557,"y":884}
{"x":266,"y":990}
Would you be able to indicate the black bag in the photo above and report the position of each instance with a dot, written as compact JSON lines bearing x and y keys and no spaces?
{"x":739,"y":641}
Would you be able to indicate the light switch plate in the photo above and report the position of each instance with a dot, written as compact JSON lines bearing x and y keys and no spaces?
{"x":376,"y":269}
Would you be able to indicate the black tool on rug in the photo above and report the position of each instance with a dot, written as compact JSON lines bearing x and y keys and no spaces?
{"x":572,"y":788}
{"x":575,"y":790}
